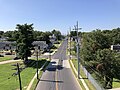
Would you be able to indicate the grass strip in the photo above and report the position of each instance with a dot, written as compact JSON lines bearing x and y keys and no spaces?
{"x":81,"y":84}
{"x":89,"y":84}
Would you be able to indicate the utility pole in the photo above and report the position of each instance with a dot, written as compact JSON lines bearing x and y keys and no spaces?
{"x":78,"y":56}
{"x":19,"y":76}
{"x":37,"y":63}
{"x":70,"y":43}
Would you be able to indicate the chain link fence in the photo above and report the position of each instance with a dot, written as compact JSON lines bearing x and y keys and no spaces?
{"x":92,"y":80}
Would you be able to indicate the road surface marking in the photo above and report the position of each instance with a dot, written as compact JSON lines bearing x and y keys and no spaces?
{"x":56,"y":74}
{"x":56,"y":80}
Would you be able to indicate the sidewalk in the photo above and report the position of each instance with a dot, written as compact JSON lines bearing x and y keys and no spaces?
{"x":9,"y":61}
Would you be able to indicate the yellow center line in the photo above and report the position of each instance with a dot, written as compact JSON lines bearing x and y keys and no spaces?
{"x":56,"y":74}
{"x":56,"y":80}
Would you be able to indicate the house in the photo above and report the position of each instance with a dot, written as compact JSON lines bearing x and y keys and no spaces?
{"x":7,"y":45}
{"x":41,"y":44}
{"x":3,"y":38}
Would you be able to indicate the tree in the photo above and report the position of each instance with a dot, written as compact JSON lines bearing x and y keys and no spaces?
{"x":91,"y":42}
{"x":106,"y":59}
{"x":24,"y":40}
{"x":57,"y":34}
{"x":1,"y":33}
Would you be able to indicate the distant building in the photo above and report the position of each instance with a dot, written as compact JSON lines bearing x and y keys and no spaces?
{"x":3,"y":38}
{"x":115,"y":47}
{"x":7,"y":45}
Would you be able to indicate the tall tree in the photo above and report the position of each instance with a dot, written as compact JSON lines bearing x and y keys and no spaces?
{"x":57,"y":34}
{"x":24,"y":40}
{"x":106,"y":59}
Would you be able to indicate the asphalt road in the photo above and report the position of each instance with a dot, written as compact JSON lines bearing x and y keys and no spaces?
{"x":58,"y":75}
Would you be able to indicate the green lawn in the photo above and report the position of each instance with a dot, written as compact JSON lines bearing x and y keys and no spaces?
{"x":6,"y":58}
{"x":9,"y":82}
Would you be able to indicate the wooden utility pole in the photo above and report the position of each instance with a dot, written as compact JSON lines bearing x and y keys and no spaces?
{"x":19,"y":76}
{"x":78,"y":49}
{"x":37,"y":64}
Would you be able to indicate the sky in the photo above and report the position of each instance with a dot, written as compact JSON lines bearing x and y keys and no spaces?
{"x":47,"y":15}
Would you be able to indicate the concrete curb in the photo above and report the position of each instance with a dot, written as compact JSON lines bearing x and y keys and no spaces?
{"x":83,"y":82}
{"x":31,"y":82}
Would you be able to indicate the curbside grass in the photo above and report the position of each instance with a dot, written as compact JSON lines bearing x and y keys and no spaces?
{"x":90,"y":86}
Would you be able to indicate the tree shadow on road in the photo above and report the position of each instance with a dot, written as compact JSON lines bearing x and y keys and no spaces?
{"x":33,"y":63}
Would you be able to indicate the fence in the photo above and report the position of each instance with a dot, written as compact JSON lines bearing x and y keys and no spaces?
{"x":91,"y":79}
